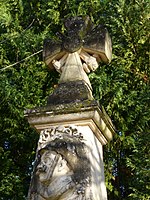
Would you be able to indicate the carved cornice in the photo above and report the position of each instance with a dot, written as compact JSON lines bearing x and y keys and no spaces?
{"x":83,"y":114}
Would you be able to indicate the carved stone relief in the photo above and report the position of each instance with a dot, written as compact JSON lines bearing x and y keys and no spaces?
{"x":62,"y":169}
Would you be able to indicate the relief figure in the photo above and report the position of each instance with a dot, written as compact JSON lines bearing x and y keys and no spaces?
{"x":62,"y":170}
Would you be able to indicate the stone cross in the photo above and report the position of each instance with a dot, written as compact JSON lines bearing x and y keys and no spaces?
{"x":79,"y":50}
{"x":72,"y":126}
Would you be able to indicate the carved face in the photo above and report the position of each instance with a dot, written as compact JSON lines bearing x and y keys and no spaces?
{"x":44,"y":168}
{"x":51,"y":165}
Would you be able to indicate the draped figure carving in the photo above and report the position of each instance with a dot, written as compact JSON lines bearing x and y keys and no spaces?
{"x":62,"y":169}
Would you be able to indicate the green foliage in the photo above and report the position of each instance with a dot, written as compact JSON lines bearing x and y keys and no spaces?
{"x":122,"y":87}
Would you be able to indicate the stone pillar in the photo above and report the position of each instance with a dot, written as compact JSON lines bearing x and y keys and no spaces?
{"x":69,"y":160}
{"x":73,"y":130}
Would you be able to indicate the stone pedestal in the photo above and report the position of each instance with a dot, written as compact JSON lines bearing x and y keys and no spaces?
{"x":71,"y":137}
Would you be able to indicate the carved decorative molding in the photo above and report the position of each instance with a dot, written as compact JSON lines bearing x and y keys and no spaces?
{"x":62,"y":169}
{"x":58,"y":132}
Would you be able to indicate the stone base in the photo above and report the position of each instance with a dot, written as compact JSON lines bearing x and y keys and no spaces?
{"x":69,"y":160}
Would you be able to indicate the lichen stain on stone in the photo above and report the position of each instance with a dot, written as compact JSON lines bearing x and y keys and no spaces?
{"x":70,"y":92}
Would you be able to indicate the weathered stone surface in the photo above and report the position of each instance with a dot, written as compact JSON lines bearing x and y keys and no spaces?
{"x":70,"y":92}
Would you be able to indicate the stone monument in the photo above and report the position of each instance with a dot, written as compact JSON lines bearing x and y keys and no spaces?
{"x":72,"y":126}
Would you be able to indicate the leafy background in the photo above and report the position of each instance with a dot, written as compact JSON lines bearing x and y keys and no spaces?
{"x":122,"y":87}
